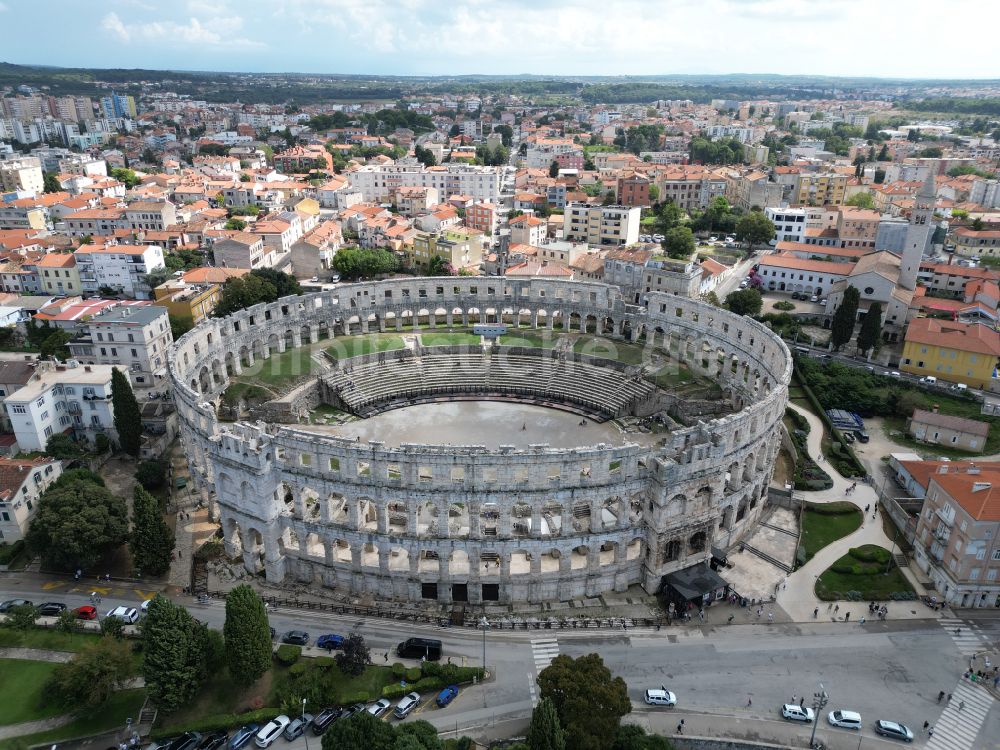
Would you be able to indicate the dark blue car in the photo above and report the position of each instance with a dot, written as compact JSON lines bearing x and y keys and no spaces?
{"x":329,"y":641}
{"x":243,"y":736}
{"x":447,"y":695}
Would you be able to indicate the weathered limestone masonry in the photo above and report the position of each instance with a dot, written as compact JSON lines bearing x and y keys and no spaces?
{"x":432,"y":522}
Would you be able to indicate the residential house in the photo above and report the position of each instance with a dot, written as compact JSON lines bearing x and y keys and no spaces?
{"x":155,"y":215}
{"x":14,"y":374}
{"x":952,"y":351}
{"x":22,"y":482}
{"x":120,"y":268}
{"x":312,"y":254}
{"x":601,"y":225}
{"x":243,"y":250}
{"x":527,"y":229}
{"x":482,"y":216}
{"x":972,"y":243}
{"x":460,"y":249}
{"x":944,"y":429}
{"x":59,"y":275}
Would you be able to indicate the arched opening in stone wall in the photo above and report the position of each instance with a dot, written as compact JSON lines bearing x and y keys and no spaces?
{"x":458,"y":563}
{"x":697,"y":542}
{"x":520,"y":519}
{"x":578,"y":559}
{"x":552,"y":518}
{"x":399,"y":560}
{"x":550,"y":561}
{"x":458,"y":520}
{"x":634,"y":549}
{"x":520,"y":563}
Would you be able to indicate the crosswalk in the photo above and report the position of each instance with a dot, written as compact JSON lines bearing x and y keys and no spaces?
{"x":967,"y":636}
{"x":960,"y":722}
{"x":544,"y":651}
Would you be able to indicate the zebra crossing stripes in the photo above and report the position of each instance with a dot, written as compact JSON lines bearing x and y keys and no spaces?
{"x":967,"y":636}
{"x":962,"y":719}
{"x":543,"y":652}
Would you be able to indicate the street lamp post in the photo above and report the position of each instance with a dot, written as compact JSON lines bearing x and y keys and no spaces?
{"x":305,"y":733}
{"x":820,"y":699}
{"x":485,"y":625}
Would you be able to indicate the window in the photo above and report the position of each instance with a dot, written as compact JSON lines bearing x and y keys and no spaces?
{"x":48,"y":431}
{"x":19,"y":408}
{"x":996,"y":554}
{"x":40,"y":402}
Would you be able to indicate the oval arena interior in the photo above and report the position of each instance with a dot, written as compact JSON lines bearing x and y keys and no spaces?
{"x":669,"y":417}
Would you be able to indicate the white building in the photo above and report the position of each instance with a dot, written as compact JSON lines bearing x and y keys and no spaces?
{"x":378,"y":182}
{"x":62,"y":398}
{"x":122,"y":268}
{"x":601,"y":225}
{"x":23,"y":174}
{"x":22,"y":481}
{"x":789,"y":223}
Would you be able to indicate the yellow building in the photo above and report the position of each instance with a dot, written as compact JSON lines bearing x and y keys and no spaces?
{"x":950,"y":351}
{"x":195,"y":294}
{"x":826,"y":189}
{"x":58,"y":274}
{"x":459,"y":248}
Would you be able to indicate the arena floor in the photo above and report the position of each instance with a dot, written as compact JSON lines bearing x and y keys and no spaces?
{"x":488,"y":423}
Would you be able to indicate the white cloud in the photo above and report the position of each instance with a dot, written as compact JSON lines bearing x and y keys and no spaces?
{"x":213,"y":32}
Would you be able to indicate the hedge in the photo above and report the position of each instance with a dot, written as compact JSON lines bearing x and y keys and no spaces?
{"x":877,"y":554}
{"x":396,"y":690}
{"x":398,"y":670}
{"x":288,"y":654}
{"x":413,"y":674}
{"x":358,"y":696}
{"x":220,"y":721}
{"x":10,"y":551}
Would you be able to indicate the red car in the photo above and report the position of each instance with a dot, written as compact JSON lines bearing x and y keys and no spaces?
{"x":86,"y":612}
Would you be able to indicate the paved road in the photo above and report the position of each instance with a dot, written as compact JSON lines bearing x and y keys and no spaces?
{"x":883,"y":670}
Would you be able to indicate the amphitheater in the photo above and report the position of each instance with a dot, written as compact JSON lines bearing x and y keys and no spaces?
{"x":508,"y":523}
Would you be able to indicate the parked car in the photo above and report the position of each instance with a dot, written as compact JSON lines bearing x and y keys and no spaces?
{"x":796,"y":295}
{"x":144,"y":607}
{"x":355,"y":709}
{"x":446,"y":696}
{"x":844,"y":719}
{"x":409,"y":702}
{"x":86,"y":612}
{"x":325,"y":718}
{"x":862,"y":436}
{"x":11,"y":603}
{"x":242,"y":736}
{"x":848,"y":437}
{"x":893,"y":729}
{"x":296,"y":637}
{"x":814,"y":298}
{"x":660,"y":698}
{"x":928,"y":380}
{"x":51,"y":609}
{"x":272,"y":730}
{"x":128,"y":615}
{"x":298,"y":727}
{"x":187,"y":741}
{"x":659,"y":238}
{"x":379,"y":707}
{"x":214,"y":741}
{"x":331,"y":640}
{"x":793,"y":712}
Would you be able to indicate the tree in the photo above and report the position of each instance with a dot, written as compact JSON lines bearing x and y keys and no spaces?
{"x":364,"y":263}
{"x":420,"y":735}
{"x":55,"y":345}
{"x":545,"y":732}
{"x":242,"y":292}
{"x":588,"y":700}
{"x":180,"y":324}
{"x":151,"y":474}
{"x":354,"y":656}
{"x":438,"y":266}
{"x":654,"y":194}
{"x":842,"y":327}
{"x":128,"y":417}
{"x":754,"y":228}
{"x":977,"y":224}
{"x":247,"y":635}
{"x":679,"y":242}
{"x":554,"y":169}
{"x":284,"y":284}
{"x":632,"y":737}
{"x":126,"y":176}
{"x":883,"y":153}
{"x":77,"y":523}
{"x":861,"y":200}
{"x":425,"y":156}
{"x":92,"y":675}
{"x":51,"y":183}
{"x":236,"y":224}
{"x":62,"y":446}
{"x":870,"y":335}
{"x":744,"y":302}
{"x":454,"y":131}
{"x":360,"y":732}
{"x":113,"y":627}
{"x":22,"y":617}
{"x":67,"y":622}
{"x":173,"y":644}
{"x":152,"y":541}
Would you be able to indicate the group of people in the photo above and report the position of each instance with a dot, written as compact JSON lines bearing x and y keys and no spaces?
{"x":879,"y":611}
{"x":133,"y":742}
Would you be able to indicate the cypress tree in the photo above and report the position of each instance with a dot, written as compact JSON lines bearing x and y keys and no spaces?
{"x":248,"y":635}
{"x":128,"y":419}
{"x":545,"y":731}
{"x":842,"y":328}
{"x":174,"y":651}
{"x":871,"y":329}
{"x":151,"y":541}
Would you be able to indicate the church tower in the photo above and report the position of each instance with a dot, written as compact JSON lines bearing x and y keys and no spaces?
{"x":918,"y":233}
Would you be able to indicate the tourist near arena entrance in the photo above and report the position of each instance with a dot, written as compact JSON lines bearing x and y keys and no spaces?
{"x":502,"y":519}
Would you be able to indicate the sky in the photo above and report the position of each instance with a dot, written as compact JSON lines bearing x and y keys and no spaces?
{"x":882,"y":38}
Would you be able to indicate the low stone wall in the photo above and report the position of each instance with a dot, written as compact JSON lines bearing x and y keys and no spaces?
{"x":681,"y":742}
{"x":292,"y":407}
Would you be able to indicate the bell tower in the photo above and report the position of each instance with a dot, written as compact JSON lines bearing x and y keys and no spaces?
{"x":918,"y":233}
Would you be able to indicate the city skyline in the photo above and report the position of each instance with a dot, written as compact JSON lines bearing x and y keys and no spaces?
{"x":415,"y":37}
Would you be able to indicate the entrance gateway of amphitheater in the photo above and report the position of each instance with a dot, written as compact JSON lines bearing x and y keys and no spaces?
{"x":512,"y":521}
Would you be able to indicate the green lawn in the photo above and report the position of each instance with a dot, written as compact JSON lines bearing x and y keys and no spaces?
{"x":824,"y":523}
{"x":852,"y":577}
{"x":530,"y":340}
{"x":450,"y":338}
{"x":280,"y":367}
{"x":21,"y":691}
{"x":54,"y":640}
{"x":110,"y":716}
{"x":355,"y":346}
{"x":620,"y":351}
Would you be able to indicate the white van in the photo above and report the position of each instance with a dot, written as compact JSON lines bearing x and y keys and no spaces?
{"x":929,"y":380}
{"x":960,"y":387}
{"x":660,"y":698}
{"x":844,"y":719}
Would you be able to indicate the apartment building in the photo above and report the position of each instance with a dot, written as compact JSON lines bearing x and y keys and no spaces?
{"x":690,"y":186}
{"x":135,"y":337}
{"x":243,"y":250}
{"x":952,"y":351}
{"x":195,"y":294}
{"x":601,"y":225}
{"x":302,"y":159}
{"x":121,"y":268}
{"x":95,"y":222}
{"x":62,"y":399}
{"x":459,"y":249}
{"x":857,"y":227}
{"x":789,"y":223}
{"x":312,"y":254}
{"x":956,"y":541}
{"x":753,"y":189}
{"x":22,"y":481}
{"x":951,"y":279}
{"x":19,"y":215}
{"x":789,"y":273}
{"x":819,"y":189}
{"x":527,"y":229}
{"x":58,"y":274}
{"x":150,"y":215}
{"x":22,"y":175}
{"x":377,"y":182}
{"x":633,"y":190}
{"x":482,"y":216}
{"x":971,"y":243}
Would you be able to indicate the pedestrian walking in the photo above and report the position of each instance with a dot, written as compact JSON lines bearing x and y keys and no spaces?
{"x":730,"y":620}
{"x":816,"y":613}
{"x":867,"y":508}
{"x":836,"y":609}
{"x":961,"y":705}
{"x":802,"y":702}
{"x":386,"y":657}
{"x":795,"y":699}
{"x":76,"y":577}
{"x":847,"y":616}
{"x":749,"y":701}
{"x":770,"y":616}
{"x":940,"y":696}
{"x":930,"y":731}
{"x":680,"y":729}
{"x":926,"y":724}
{"x":949,"y":697}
